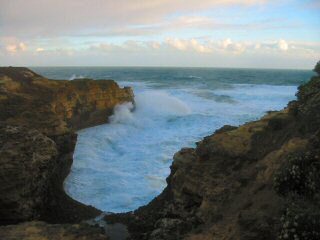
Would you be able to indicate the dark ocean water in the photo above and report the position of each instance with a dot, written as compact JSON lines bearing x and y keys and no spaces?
{"x":169,"y":75}
{"x":123,"y":165}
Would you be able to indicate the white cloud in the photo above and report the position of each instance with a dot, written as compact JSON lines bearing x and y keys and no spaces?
{"x":229,"y":45}
{"x":16,"y":47}
{"x":226,"y":43}
{"x":208,"y":46}
{"x":170,"y":51}
{"x":11,"y":48}
{"x":283,"y":45}
{"x":22,"y":46}
{"x":188,"y":45}
{"x":40,"y":49}
{"x":176,"y":43}
{"x":200,"y":48}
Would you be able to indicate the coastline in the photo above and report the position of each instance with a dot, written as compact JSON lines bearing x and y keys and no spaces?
{"x":239,"y":182}
{"x":225,"y":188}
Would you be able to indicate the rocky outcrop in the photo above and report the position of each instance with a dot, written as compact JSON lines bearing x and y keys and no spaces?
{"x":38,"y":119}
{"x":257,"y":181}
{"x":56,"y":106}
{"x":41,"y":230}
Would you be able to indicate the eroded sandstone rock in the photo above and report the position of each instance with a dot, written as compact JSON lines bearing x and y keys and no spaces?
{"x":56,"y":106}
{"x":38,"y":119}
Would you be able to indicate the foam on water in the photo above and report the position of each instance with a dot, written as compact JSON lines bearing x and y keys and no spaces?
{"x":123,"y":165}
{"x":74,"y":76}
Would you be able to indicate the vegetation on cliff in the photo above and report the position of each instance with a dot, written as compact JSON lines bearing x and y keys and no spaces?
{"x":297,"y":181}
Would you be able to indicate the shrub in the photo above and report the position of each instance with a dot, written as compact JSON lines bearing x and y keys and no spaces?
{"x":300,"y":174}
{"x":300,"y":222}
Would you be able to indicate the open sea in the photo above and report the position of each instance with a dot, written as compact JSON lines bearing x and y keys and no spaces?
{"x":123,"y":165}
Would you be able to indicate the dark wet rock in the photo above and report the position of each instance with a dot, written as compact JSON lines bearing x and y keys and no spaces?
{"x":28,"y":159}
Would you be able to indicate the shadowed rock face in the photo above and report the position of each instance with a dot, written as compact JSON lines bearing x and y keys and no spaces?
{"x":28,"y":160}
{"x":38,"y":118}
{"x":240,"y":182}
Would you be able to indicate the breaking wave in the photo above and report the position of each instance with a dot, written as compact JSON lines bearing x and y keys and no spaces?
{"x":123,"y":165}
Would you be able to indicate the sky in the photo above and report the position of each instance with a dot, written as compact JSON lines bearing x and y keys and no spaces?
{"x":181,"y":33}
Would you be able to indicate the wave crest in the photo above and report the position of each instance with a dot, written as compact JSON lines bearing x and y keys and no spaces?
{"x":122,"y":113}
{"x":74,"y":76}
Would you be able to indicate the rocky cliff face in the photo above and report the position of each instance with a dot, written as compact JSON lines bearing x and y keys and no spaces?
{"x":56,"y":106}
{"x":38,"y":118}
{"x":257,"y":181}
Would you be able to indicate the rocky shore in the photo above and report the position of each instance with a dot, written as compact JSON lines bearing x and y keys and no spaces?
{"x":38,"y":120}
{"x":258,"y":181}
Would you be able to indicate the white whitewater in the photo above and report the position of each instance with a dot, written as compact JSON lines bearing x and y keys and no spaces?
{"x":123,"y":165}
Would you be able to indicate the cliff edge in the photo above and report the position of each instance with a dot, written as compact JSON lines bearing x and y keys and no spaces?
{"x":38,"y":120}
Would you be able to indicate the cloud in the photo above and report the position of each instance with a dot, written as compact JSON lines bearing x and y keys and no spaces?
{"x":283,"y":45}
{"x":209,"y":46}
{"x":176,"y":43}
{"x":39,"y":49}
{"x":200,"y":48}
{"x":13,"y":48}
{"x":171,"y":51}
{"x":188,"y":45}
{"x":169,"y":44}
{"x":187,"y":22}
{"x":59,"y":17}
{"x":229,"y":45}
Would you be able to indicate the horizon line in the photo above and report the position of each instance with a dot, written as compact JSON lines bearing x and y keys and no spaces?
{"x":132,"y":66}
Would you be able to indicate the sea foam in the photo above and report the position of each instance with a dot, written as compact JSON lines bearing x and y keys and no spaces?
{"x":123,"y":165}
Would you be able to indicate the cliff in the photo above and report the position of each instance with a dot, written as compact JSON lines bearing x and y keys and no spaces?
{"x":38,"y":119}
{"x":56,"y":106}
{"x":257,"y":181}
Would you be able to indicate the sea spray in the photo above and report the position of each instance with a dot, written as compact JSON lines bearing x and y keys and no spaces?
{"x":122,"y":113}
{"x":74,"y":76}
{"x":160,"y":103}
{"x":149,"y":105}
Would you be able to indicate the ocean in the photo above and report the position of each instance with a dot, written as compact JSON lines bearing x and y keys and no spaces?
{"x":123,"y":165}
